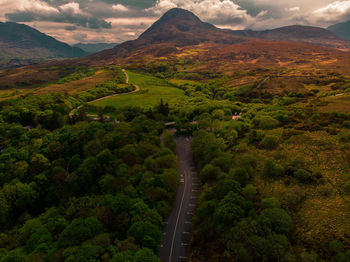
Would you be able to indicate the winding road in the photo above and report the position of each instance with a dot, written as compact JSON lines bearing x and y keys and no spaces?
{"x":262,"y":82}
{"x":137,"y":89}
{"x":176,"y":233}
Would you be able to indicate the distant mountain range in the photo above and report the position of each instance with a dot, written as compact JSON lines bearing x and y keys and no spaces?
{"x":23,"y":45}
{"x":94,"y":48}
{"x":342,"y":30}
{"x":179,"y":34}
{"x":298,"y":33}
{"x":178,"y":28}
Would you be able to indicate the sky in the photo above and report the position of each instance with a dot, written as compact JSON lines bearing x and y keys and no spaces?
{"x":116,"y":21}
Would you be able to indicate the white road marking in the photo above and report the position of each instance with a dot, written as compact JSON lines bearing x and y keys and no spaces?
{"x":177,"y":222}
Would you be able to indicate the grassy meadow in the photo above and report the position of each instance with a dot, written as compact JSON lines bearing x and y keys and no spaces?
{"x":152,"y":90}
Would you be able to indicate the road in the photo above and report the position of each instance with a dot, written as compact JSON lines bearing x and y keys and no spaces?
{"x":126,"y":76}
{"x":176,"y":232}
{"x":262,"y":82}
{"x":137,"y":89}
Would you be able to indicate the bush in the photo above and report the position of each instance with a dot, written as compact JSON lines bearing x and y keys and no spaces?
{"x":344,"y":137}
{"x":249,"y":192}
{"x":270,"y":203}
{"x":265,"y":122}
{"x":273,"y":170}
{"x":347,"y":188}
{"x":241,"y":175}
{"x":302,"y":175}
{"x":275,"y":219}
{"x":295,"y":197}
{"x":346,"y":124}
{"x":270,"y":142}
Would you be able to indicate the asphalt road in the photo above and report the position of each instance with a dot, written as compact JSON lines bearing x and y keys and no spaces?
{"x":178,"y":225}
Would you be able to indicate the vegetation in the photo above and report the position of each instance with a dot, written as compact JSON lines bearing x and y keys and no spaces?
{"x":78,"y":190}
{"x":272,"y":158}
{"x":152,"y":89}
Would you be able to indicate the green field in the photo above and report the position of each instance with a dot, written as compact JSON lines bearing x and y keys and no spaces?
{"x":152,"y":90}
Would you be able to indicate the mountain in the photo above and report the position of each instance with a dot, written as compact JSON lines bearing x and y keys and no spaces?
{"x":22,"y":45}
{"x":179,"y":35}
{"x":342,"y":30}
{"x":298,"y":33}
{"x":176,"y":28}
{"x":179,"y":28}
{"x":94,"y":48}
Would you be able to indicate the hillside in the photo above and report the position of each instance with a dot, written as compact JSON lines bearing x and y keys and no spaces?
{"x":22,"y":45}
{"x":297,"y":33}
{"x":176,"y":28}
{"x":342,"y":30}
{"x":179,"y":28}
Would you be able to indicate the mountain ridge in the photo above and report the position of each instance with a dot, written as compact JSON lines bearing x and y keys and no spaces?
{"x":26,"y":45}
{"x":341,"y":30}
{"x":179,"y":27}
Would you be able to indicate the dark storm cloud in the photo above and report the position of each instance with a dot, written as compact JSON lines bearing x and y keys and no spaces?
{"x":137,"y":4}
{"x":70,"y":28}
{"x":79,"y":20}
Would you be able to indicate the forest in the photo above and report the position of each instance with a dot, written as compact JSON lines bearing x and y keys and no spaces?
{"x":272,"y":188}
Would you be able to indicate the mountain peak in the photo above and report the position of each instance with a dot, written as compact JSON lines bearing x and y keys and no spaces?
{"x":177,"y":20}
{"x":178,"y":13}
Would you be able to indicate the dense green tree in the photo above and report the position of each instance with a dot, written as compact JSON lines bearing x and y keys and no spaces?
{"x":146,"y":234}
{"x":145,"y":255}
{"x":80,"y":230}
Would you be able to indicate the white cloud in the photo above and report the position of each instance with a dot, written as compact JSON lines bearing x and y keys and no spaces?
{"x":7,"y":6}
{"x":120,"y":8}
{"x":71,"y":8}
{"x":220,"y":12}
{"x":334,"y":12}
{"x":293,"y":9}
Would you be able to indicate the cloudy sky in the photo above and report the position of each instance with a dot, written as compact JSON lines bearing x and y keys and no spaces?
{"x":115,"y":21}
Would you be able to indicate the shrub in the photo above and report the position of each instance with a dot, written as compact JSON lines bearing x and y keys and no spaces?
{"x":295,"y":197}
{"x":270,"y":202}
{"x":270,"y":142}
{"x":302,"y":175}
{"x":347,"y":188}
{"x":249,"y":192}
{"x":344,"y":137}
{"x":241,"y":175}
{"x":272,"y":170}
{"x":276,"y":220}
{"x":265,"y":122}
{"x":346,"y":124}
